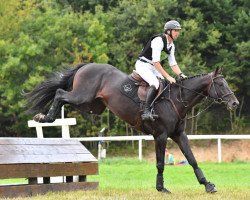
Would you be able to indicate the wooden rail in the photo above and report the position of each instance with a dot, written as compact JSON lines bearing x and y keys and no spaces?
{"x":32,"y":157}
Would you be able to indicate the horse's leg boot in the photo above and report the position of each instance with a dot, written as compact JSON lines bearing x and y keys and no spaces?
{"x":160,"y":184}
{"x":147,"y":115}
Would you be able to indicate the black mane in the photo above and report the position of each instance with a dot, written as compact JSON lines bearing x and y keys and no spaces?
{"x":190,"y":77}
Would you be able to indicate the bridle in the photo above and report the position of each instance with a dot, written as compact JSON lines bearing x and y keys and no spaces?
{"x":216,"y":99}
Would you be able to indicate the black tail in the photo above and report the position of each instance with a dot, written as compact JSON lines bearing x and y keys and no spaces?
{"x":40,"y":99}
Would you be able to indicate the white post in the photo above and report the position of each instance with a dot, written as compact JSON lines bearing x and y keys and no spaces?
{"x":99,"y":150}
{"x":65,"y":128}
{"x":65,"y":131}
{"x":62,"y":112}
{"x":39,"y":131}
{"x":219,"y":150}
{"x":140,"y":149}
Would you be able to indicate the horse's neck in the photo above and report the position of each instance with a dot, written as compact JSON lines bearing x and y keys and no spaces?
{"x":197,"y":84}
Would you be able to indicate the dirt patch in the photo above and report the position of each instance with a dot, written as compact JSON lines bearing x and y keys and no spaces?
{"x":232,"y":150}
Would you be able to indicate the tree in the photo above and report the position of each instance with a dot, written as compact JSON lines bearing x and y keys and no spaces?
{"x":45,"y":39}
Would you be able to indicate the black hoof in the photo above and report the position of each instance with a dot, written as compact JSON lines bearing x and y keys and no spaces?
{"x":164,"y":190}
{"x":41,"y":118}
{"x":210,"y":188}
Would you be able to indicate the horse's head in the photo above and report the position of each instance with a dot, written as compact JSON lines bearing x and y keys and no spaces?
{"x":220,"y":91}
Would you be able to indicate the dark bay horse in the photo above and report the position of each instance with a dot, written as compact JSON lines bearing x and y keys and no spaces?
{"x":93,"y":87}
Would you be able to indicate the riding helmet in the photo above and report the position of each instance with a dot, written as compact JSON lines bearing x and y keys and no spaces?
{"x":172,"y":24}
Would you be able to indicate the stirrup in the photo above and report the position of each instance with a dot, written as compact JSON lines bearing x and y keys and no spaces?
{"x":149,"y":116}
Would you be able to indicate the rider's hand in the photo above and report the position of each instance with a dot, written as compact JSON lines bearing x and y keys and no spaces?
{"x":182,"y":75}
{"x":171,"y":79}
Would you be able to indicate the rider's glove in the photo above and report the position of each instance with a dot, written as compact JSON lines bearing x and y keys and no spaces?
{"x":182,"y":75}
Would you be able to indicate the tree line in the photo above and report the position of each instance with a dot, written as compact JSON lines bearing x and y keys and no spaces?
{"x":38,"y":38}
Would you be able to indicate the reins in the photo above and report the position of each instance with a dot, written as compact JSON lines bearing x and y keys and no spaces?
{"x":216,"y":99}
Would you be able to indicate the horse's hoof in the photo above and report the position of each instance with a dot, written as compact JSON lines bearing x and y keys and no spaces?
{"x":210,"y":188}
{"x":164,"y":190}
{"x":39,"y":117}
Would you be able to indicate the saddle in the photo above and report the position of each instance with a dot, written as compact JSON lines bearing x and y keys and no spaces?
{"x":136,"y":88}
{"x":144,"y":86}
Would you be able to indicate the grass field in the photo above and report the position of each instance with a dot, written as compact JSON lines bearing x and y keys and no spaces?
{"x":121,"y":178}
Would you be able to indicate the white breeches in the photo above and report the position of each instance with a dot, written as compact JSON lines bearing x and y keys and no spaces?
{"x":148,"y":73}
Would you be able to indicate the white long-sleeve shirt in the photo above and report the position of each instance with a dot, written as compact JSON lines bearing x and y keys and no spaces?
{"x":157,"y":47}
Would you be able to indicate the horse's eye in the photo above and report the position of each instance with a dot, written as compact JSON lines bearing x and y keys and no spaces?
{"x":220,"y":84}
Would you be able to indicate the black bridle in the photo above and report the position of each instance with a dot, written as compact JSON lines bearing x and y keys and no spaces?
{"x":218,"y":99}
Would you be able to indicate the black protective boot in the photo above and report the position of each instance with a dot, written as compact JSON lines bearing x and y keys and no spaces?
{"x":147,"y":115}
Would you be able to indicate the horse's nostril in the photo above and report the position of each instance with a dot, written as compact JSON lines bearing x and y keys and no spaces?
{"x":235,"y":104}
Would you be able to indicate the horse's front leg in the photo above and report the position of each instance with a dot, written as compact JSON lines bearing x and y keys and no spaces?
{"x":160,"y":145}
{"x":183,"y":143}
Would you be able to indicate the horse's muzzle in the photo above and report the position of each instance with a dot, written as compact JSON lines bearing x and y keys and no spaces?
{"x":233,"y":104}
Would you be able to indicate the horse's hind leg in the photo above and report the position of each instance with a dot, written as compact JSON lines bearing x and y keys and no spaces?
{"x":62,"y":97}
{"x":86,"y":103}
{"x":183,"y":143}
{"x":58,"y":102}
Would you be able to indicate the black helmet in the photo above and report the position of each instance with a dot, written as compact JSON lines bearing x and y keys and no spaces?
{"x":172,"y":24}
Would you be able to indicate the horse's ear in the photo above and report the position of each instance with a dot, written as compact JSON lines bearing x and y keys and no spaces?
{"x":218,"y":71}
{"x":221,"y":70}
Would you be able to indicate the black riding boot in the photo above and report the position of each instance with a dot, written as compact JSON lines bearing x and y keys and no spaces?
{"x":149,"y":99}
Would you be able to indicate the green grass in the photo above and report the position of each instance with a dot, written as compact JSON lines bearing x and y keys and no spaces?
{"x":13,"y":181}
{"x":121,"y":178}
{"x":122,"y":173}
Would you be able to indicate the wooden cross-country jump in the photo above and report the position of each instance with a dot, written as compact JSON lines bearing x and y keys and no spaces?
{"x":31,"y":158}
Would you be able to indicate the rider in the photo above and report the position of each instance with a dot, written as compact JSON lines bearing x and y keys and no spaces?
{"x":148,"y":65}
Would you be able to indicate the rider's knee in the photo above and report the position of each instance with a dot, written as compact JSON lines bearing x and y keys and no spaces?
{"x":155,"y":83}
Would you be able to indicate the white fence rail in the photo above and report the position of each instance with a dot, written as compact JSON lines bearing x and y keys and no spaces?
{"x":146,"y":137}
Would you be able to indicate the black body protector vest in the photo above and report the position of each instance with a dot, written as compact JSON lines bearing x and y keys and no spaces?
{"x":147,"y":50}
